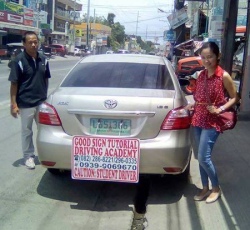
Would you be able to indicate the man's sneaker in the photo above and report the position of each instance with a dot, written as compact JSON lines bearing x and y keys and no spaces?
{"x":139,"y":222}
{"x":30,"y":164}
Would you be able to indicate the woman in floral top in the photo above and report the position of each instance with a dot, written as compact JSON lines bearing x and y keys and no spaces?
{"x":211,"y":86}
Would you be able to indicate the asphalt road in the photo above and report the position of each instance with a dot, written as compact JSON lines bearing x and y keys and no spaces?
{"x":37,"y":200}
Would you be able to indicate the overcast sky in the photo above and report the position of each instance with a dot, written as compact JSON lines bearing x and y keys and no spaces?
{"x":140,"y":17}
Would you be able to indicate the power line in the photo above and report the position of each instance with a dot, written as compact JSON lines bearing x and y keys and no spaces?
{"x":145,"y":19}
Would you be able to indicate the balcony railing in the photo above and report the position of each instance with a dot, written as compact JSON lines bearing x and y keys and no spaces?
{"x":72,"y":4}
{"x":65,"y":15}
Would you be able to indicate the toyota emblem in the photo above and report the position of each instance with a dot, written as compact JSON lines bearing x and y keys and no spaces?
{"x":110,"y":104}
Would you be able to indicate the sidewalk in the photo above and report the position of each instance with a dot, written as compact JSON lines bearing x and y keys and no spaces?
{"x":231,"y":156}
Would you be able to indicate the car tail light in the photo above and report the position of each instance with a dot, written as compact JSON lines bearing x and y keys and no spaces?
{"x":48,"y":116}
{"x":177,"y":119}
{"x":172,"y":169}
{"x":48,"y":163}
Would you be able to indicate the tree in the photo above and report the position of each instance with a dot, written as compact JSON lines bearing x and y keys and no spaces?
{"x":100,"y":19}
{"x":144,"y":45}
{"x":110,"y":19}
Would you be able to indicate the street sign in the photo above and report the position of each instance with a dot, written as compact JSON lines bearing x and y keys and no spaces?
{"x":169,"y":35}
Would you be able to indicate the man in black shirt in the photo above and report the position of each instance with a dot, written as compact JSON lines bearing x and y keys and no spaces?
{"x":29,"y":85}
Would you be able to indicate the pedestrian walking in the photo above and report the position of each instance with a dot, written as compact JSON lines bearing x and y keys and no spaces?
{"x":29,"y":76}
{"x":212,"y":86}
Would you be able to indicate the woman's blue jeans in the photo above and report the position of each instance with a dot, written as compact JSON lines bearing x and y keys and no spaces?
{"x":203,"y":141}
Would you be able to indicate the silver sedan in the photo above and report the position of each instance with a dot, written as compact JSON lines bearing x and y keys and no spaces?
{"x":115,"y":116}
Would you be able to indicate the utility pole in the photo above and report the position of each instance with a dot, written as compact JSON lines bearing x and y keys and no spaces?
{"x":87,"y":42}
{"x":230,"y":19}
{"x":136,"y":24}
{"x":245,"y":82}
{"x":74,"y":29}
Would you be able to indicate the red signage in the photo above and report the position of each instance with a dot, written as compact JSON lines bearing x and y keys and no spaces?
{"x":28,"y":22}
{"x":14,"y":18}
{"x":3,"y":16}
{"x":10,"y":17}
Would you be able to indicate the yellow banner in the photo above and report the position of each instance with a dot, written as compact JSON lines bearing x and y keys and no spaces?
{"x":78,"y":32}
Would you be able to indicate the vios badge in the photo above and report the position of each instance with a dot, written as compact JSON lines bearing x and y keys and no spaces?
{"x":110,"y":104}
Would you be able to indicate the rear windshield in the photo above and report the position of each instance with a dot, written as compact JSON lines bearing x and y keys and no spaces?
{"x":119,"y":75}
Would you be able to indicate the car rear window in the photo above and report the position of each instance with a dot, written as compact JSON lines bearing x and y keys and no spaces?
{"x":119,"y":75}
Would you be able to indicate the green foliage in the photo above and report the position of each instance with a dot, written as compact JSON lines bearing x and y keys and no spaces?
{"x":118,"y":32}
{"x":100,"y":19}
{"x":110,"y":19}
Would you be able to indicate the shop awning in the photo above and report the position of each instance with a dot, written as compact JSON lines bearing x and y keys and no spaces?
{"x":18,"y":26}
{"x":189,"y":45}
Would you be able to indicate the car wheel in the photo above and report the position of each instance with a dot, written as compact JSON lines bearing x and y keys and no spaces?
{"x":56,"y":172}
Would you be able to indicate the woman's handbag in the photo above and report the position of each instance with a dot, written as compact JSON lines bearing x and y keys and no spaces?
{"x":227,"y":119}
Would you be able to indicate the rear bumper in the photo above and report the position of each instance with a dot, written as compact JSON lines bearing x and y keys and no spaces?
{"x":168,"y":149}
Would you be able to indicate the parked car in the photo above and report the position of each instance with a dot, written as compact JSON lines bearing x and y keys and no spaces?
{"x":110,"y":52}
{"x":128,"y":97}
{"x":46,"y":50}
{"x":13,"y":49}
{"x":77,"y":52}
{"x":58,"y":49}
{"x":121,"y":51}
{"x":188,"y":66}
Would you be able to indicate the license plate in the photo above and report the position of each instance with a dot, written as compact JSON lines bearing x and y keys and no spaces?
{"x":120,"y":127}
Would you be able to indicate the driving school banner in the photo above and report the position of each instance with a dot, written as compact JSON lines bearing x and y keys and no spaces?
{"x":105,"y":159}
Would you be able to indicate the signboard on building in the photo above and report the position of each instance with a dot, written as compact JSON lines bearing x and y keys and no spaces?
{"x":11,"y":17}
{"x":178,"y":18}
{"x":78,"y":41}
{"x":78,"y":32}
{"x":217,"y":29}
{"x":195,"y":27}
{"x":11,"y":7}
{"x":169,"y":35}
{"x":28,"y":15}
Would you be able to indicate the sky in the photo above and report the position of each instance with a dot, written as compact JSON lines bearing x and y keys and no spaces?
{"x":139,"y":17}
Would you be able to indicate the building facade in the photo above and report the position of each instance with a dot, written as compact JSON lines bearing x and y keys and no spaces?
{"x":51,"y":20}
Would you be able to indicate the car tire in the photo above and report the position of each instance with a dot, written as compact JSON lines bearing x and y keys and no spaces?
{"x":56,"y":172}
